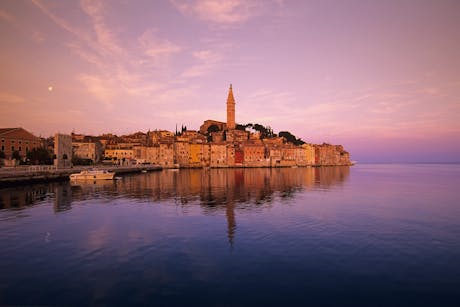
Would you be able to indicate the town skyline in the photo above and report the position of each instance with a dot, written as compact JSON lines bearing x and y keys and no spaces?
{"x":380,"y":78}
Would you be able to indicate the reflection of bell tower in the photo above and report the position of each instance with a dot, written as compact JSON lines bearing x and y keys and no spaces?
{"x":231,"y":222}
{"x":230,"y":110}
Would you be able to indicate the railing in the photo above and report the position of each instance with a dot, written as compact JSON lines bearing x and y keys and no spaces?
{"x":42,"y":168}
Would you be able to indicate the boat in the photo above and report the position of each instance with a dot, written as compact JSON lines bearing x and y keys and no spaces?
{"x":93,"y":175}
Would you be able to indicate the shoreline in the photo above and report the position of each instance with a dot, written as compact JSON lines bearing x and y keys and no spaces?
{"x":25,"y":176}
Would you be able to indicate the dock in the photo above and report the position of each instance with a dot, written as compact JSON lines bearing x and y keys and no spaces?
{"x":45,"y":173}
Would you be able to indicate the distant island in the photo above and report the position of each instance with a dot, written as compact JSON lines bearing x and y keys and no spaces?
{"x":215,"y":144}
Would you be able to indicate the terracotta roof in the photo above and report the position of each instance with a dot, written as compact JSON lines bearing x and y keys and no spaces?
{"x":7,"y":130}
{"x":19,"y":131}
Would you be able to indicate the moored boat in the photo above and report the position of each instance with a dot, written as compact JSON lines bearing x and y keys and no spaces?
{"x":93,"y":175}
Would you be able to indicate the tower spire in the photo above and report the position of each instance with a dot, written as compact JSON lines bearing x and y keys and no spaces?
{"x":230,"y":109}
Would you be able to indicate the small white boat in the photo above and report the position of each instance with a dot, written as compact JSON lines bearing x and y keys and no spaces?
{"x":93,"y":175}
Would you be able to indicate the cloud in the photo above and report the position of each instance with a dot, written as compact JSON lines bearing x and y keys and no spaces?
{"x":120,"y":69}
{"x":155,"y":47}
{"x":7,"y":16}
{"x":219,"y":12}
{"x":102,"y":88}
{"x":208,"y":60}
{"x":104,"y":36}
{"x":8,"y":98}
{"x":38,"y":36}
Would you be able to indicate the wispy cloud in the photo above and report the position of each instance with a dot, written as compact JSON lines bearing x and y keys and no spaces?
{"x":7,"y":99}
{"x":102,"y":88}
{"x":207,"y":61}
{"x":220,"y":12}
{"x":155,"y":47}
{"x":38,"y":36}
{"x":7,"y":16}
{"x":118,"y":67}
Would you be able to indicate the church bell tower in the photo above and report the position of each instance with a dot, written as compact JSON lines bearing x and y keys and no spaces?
{"x":230,"y":110}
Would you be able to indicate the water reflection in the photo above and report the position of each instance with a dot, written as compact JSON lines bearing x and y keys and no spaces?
{"x":212,"y":188}
{"x":215,"y":190}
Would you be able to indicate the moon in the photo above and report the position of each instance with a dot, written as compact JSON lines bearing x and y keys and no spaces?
{"x":50,"y":88}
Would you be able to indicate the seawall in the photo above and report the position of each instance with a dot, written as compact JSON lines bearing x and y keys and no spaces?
{"x":25,"y":175}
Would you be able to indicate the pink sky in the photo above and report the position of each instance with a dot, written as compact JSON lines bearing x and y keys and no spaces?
{"x":380,"y":77}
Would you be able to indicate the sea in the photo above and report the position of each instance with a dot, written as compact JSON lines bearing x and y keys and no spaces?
{"x":365,"y":235}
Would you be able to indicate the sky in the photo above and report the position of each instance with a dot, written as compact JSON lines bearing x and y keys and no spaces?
{"x":381,"y":78}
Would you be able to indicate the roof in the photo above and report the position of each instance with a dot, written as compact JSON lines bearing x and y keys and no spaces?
{"x":19,"y":133}
{"x":230,"y":98}
{"x":7,"y":130}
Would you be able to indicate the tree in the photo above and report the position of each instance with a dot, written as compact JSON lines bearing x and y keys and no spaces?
{"x":240,"y":127}
{"x":39,"y":156}
{"x":291,"y":138}
{"x":213,"y":128}
{"x":265,"y":132}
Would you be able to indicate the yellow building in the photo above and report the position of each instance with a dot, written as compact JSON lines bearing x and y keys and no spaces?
{"x":199,"y":155}
{"x":120,"y":156}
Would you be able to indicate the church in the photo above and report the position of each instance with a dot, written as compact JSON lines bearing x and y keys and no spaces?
{"x":221,"y":131}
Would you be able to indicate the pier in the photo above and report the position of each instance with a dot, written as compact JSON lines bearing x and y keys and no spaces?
{"x":44,"y":173}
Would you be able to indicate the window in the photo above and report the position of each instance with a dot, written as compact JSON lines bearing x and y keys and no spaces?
{"x":12,"y":148}
{"x":20,"y":148}
{"x":3,"y":148}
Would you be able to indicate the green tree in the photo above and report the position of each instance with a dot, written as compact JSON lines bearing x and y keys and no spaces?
{"x":291,"y":138}
{"x":39,"y":156}
{"x":240,"y":127}
{"x":213,"y":128}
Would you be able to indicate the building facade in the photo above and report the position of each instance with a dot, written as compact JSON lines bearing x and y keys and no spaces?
{"x":17,"y":140}
{"x":63,"y":150}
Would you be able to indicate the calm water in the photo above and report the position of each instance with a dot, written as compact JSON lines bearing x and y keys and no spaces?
{"x":374,"y":235}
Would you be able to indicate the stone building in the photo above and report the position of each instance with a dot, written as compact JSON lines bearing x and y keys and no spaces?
{"x":230,"y":155}
{"x":218,"y":155}
{"x":153,"y":154}
{"x":301,"y":156}
{"x":309,"y":153}
{"x":182,"y":153}
{"x":288,"y":155}
{"x":221,"y":126}
{"x":120,"y":156}
{"x":254,"y":154}
{"x":236,"y":136}
{"x":167,"y":155}
{"x":329,"y":155}
{"x":88,"y":150}
{"x":63,"y":150}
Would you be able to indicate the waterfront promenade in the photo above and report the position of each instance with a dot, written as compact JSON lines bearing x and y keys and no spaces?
{"x":38,"y":173}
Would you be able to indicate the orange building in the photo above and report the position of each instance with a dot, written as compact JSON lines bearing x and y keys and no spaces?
{"x":17,"y":139}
